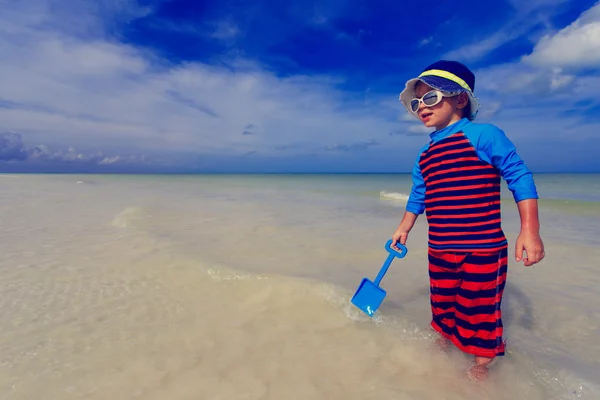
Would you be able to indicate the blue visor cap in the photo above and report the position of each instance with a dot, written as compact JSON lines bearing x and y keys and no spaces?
{"x":442,"y":84}
{"x":443,"y":81}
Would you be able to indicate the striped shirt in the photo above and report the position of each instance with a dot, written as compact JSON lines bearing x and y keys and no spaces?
{"x":456,"y":181}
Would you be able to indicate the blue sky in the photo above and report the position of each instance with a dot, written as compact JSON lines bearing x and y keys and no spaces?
{"x":276,"y":86}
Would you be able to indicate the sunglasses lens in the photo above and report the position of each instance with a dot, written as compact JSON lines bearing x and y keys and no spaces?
{"x":414,"y":105}
{"x":431,"y":99}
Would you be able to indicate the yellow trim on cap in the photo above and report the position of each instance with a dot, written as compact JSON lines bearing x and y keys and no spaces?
{"x":447,"y":75}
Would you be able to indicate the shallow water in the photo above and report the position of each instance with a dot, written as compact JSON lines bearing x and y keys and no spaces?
{"x":238,"y":287}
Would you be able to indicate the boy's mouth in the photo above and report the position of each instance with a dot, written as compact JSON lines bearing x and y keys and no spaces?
{"x":426,"y":114}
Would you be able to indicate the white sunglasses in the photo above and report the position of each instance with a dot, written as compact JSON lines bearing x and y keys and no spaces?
{"x":429,"y":99}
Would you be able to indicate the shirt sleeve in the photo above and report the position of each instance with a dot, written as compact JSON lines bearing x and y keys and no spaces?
{"x":416,"y":200}
{"x":494,"y":147}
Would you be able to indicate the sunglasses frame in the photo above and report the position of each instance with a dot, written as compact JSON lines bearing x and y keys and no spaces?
{"x":439,"y":97}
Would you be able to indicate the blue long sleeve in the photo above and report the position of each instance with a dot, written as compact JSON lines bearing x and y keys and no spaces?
{"x":416,"y":200}
{"x":494,"y":147}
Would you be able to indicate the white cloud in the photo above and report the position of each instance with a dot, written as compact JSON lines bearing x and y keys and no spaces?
{"x":479,"y":49}
{"x":527,"y":14}
{"x":425,"y":41}
{"x":79,"y":17}
{"x":490,"y":109}
{"x":521,"y":79}
{"x":319,"y":19}
{"x":530,"y":6}
{"x":357,"y":146}
{"x":63,"y":88}
{"x":551,"y":73}
{"x":12,"y":149}
{"x":419,"y":129}
{"x":577,"y":45}
{"x":225,"y":30}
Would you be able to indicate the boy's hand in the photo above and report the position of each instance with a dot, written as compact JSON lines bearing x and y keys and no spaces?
{"x":529,"y":239}
{"x":401,"y":233}
{"x":531,"y":242}
{"x":399,"y":236}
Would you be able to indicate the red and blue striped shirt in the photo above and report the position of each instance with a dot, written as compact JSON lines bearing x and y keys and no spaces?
{"x":456,"y":182}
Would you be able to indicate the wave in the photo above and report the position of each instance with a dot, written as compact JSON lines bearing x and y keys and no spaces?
{"x":129,"y":217}
{"x":393,"y":196}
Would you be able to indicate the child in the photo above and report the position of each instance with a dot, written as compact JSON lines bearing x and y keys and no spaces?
{"x":456,"y":182}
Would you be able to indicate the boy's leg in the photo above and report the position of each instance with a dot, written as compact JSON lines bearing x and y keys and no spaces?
{"x":478,"y":306}
{"x":445,"y":277}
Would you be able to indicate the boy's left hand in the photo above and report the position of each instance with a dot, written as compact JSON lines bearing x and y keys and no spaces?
{"x":532,"y":243}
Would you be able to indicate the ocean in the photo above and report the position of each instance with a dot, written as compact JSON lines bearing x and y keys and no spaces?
{"x":239,"y":286}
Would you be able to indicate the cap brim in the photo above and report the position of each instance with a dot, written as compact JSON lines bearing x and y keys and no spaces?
{"x":408,"y":93}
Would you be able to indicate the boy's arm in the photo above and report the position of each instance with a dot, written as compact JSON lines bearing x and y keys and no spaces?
{"x":414,"y":206}
{"x":529,"y":238}
{"x":416,"y":200}
{"x":495,"y":147}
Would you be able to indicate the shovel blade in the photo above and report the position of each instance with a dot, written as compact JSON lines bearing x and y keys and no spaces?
{"x":368,"y":297}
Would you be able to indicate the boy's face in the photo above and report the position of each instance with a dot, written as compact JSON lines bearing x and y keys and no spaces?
{"x":446,"y":112}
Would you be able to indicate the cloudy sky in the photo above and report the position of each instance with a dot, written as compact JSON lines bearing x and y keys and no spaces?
{"x":279,"y":85}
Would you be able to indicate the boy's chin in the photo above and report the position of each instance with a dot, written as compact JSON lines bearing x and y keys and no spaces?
{"x":429,"y":123}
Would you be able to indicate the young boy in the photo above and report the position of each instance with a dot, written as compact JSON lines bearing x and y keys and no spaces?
{"x":456,"y":182}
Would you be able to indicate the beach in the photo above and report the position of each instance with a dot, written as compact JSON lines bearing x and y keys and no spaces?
{"x":239,"y":286}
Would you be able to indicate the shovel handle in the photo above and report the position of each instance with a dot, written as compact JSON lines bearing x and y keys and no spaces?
{"x":388,"y":247}
{"x":390,"y":258}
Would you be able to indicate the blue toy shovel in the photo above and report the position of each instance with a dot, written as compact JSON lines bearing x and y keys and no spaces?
{"x":369,"y":295}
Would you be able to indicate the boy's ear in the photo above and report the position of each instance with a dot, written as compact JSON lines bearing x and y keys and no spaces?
{"x":462,"y":101}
